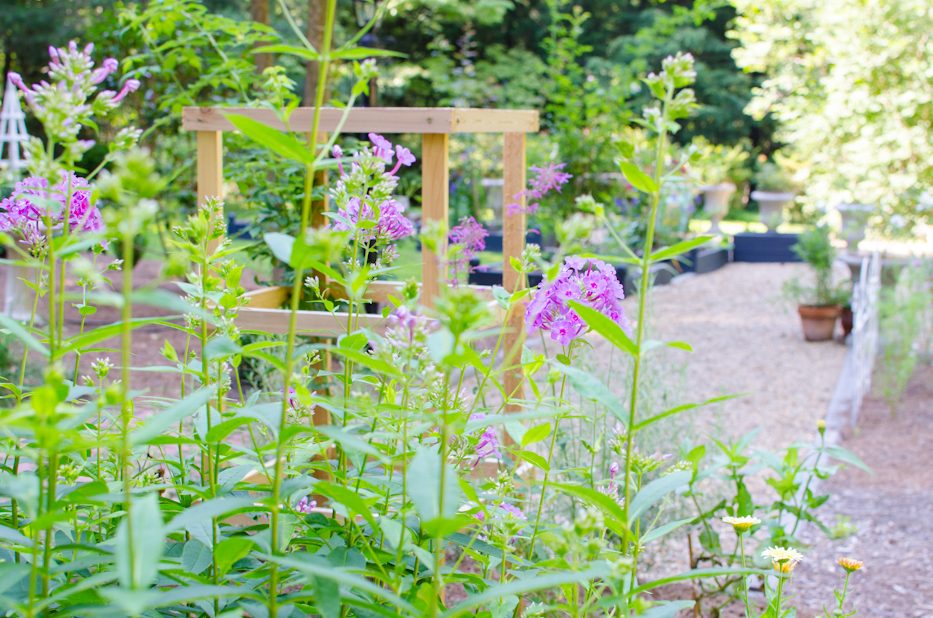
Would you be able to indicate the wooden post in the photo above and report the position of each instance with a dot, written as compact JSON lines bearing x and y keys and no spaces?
{"x":210,"y":165}
{"x":513,"y":243}
{"x":435,"y":185}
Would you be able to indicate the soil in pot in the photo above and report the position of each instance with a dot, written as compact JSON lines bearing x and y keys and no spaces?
{"x":819,"y":322}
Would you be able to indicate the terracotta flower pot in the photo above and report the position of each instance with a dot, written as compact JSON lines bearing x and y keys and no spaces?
{"x":819,"y":322}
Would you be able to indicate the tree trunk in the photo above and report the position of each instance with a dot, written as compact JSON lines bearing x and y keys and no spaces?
{"x":259,"y":12}
{"x":316,"y":14}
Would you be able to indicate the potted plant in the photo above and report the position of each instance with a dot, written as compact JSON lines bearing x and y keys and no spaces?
{"x":773,"y":191}
{"x":818,"y":305}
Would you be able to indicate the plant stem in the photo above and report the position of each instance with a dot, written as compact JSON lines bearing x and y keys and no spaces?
{"x":642,"y":318}
{"x":748,"y":612}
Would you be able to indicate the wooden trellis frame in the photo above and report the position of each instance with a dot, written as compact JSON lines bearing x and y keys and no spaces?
{"x":435,"y":125}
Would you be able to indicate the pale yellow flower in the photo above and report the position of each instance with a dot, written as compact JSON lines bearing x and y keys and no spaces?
{"x":742,"y":524}
{"x":783,"y":559}
{"x":849,"y":564}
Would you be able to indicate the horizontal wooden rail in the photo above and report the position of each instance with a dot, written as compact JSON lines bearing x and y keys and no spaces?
{"x":376,"y":119}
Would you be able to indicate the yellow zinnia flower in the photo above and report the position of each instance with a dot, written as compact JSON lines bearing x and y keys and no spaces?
{"x":849,"y":564}
{"x":742,"y":524}
{"x":783,"y":559}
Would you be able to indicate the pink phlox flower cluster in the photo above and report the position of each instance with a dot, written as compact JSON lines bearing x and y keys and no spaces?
{"x":588,"y":281}
{"x":33,"y":204}
{"x":546,"y":179}
{"x":513,"y":510}
{"x":365,"y":192}
{"x":306,"y":505}
{"x":612,"y":488}
{"x":293,"y":401}
{"x":72,"y":70}
{"x":488,"y":443}
{"x":470,"y":236}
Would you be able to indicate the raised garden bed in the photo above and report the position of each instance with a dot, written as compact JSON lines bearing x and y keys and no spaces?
{"x":494,"y":240}
{"x":704,"y":260}
{"x":766,"y":247}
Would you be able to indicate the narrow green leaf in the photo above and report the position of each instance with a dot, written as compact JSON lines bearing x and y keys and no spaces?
{"x":681,"y":408}
{"x":637,"y":178}
{"x":601,"y":501}
{"x":17,"y":330}
{"x":279,"y":142}
{"x":613,"y":333}
{"x":361,"y":53}
{"x":592,"y":388}
{"x":696,"y":574}
{"x":536,"y":434}
{"x":160,"y":421}
{"x":663,"y":530}
{"x":292,"y":50}
{"x":846,"y":456}
{"x":681,"y":247}
{"x":653,"y":492}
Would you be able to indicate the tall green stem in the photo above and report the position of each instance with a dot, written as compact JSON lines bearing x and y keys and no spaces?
{"x":640,"y":326}
{"x":330,"y":13}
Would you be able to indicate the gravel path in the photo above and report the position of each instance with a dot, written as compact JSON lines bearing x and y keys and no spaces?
{"x":891,"y":510}
{"x":746,"y":339}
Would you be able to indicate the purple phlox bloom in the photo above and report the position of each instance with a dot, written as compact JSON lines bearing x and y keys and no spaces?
{"x":470,"y":236}
{"x":393,"y":224}
{"x":131,"y":85}
{"x":403,"y":157}
{"x":306,"y":506}
{"x":107,"y":67}
{"x":337,"y":153}
{"x":488,"y":443}
{"x":382,"y":147}
{"x":33,"y":203}
{"x":512,"y":510}
{"x":588,"y":281}
{"x":351,"y":214}
{"x":546,"y":179}
{"x":613,"y":471}
{"x":293,"y":400}
{"x":405,"y":320}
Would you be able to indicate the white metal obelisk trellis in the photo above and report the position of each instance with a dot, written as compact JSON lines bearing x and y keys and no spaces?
{"x":12,"y":132}
{"x":17,"y":297}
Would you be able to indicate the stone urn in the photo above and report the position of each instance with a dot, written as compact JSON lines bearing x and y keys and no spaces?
{"x":716,"y":202}
{"x":771,"y":207}
{"x":854,"y":220}
{"x":18,"y":297}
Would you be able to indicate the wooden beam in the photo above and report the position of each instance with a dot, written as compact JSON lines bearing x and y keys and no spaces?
{"x":513,"y":244}
{"x":377,"y":119}
{"x":435,"y":186}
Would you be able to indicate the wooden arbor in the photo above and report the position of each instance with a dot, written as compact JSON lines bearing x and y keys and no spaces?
{"x":435,"y":125}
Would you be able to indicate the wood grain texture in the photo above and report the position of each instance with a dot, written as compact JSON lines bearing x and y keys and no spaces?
{"x":435,"y":186}
{"x":378,"y":119}
{"x":513,"y":244}
{"x":210,"y":165}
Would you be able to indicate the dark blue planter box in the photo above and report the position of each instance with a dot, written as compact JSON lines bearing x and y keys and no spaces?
{"x":767,"y":247}
{"x":236,"y":228}
{"x":494,"y":240}
{"x":705,"y":260}
{"x":492,"y":275}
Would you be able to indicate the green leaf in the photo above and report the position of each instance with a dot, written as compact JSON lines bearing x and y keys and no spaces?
{"x":348,"y":498}
{"x":196,"y":557}
{"x":592,"y":388}
{"x":279,"y":142}
{"x":681,"y":408}
{"x":137,"y":569}
{"x":535,"y":581}
{"x":292,"y":50}
{"x":281,"y":245}
{"x":846,"y":456}
{"x":637,"y":178}
{"x":424,"y":475}
{"x":160,"y":421}
{"x":308,"y":565}
{"x":697,"y":574}
{"x":653,"y":492}
{"x":534,"y":459}
{"x":205,"y":511}
{"x":536,"y":434}
{"x":601,"y":501}
{"x":16,"y":329}
{"x":663,"y":530}
{"x":681,"y":247}
{"x":613,"y":333}
{"x":361,"y":53}
{"x":231,"y":550}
